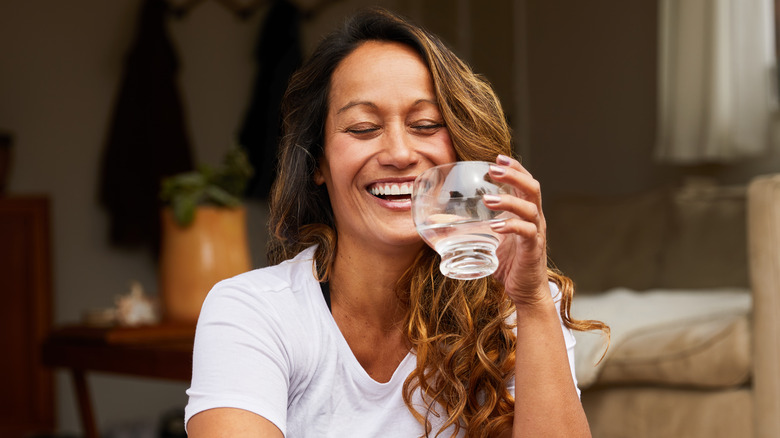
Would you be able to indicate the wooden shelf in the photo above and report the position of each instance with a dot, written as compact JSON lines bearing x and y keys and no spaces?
{"x":27,"y":405}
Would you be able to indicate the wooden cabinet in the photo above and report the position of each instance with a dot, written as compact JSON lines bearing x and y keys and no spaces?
{"x":27,"y":401}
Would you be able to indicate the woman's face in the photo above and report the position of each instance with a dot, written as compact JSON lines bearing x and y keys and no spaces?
{"x":383,"y":128}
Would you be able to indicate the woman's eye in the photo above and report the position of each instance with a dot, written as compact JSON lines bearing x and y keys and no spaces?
{"x":427,"y":127}
{"x":362,"y":130}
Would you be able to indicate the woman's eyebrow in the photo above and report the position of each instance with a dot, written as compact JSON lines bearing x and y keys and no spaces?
{"x":373,"y":106}
{"x":432,"y":102}
{"x":353,"y":104}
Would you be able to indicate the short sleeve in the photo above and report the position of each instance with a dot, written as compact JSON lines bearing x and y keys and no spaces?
{"x":240,"y":359}
{"x":568,"y":337}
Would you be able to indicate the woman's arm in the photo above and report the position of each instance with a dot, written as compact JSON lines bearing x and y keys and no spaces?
{"x":240,"y":369}
{"x":231,"y":423}
{"x":546,"y":399}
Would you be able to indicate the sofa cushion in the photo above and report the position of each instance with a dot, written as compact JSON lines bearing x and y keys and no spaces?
{"x":672,"y":337}
{"x":692,"y":236}
{"x":706,"y":243}
{"x":603,"y":242}
{"x":710,"y":352}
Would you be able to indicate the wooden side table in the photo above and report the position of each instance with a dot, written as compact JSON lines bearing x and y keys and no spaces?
{"x":162,"y":351}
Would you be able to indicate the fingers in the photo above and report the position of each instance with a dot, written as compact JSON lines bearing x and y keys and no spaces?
{"x":527,"y":231}
{"x":527,"y":221}
{"x":522,"y":208}
{"x":523,"y":250}
{"x":514,"y":174}
{"x":526,"y":206}
{"x":511,"y":172}
{"x":503,"y":160}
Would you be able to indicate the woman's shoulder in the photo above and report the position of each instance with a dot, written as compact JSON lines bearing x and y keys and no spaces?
{"x":289,"y":285}
{"x":289,"y":274}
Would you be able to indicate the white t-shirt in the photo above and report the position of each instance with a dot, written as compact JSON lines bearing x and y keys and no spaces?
{"x":267,"y":343}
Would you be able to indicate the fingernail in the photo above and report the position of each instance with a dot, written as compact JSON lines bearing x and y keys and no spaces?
{"x":503,"y":160}
{"x":491,"y":199}
{"x":497,"y":225}
{"x":497,"y":170}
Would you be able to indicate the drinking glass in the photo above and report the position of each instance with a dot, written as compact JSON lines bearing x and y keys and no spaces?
{"x":451,"y":217}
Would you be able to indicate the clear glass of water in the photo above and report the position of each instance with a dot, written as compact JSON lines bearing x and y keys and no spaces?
{"x":451,"y":217}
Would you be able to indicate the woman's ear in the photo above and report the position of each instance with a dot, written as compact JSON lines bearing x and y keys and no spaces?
{"x":318,"y":178}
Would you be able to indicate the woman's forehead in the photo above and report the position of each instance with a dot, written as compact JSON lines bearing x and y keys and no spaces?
{"x":377,"y":69}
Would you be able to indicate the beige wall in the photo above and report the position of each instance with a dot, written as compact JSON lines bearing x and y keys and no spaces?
{"x":592,"y":69}
{"x":591,"y":101}
{"x":590,"y":113}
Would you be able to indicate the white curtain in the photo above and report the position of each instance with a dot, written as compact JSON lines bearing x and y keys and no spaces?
{"x":716,"y":80}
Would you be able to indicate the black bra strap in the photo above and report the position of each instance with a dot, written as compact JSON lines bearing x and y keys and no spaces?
{"x":325,"y":286}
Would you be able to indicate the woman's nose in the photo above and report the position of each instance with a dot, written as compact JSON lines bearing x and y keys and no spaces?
{"x":398,"y":149}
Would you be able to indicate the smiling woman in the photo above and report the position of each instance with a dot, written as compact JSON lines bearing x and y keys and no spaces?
{"x":355,"y":331}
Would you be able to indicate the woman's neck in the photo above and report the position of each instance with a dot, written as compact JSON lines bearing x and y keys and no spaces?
{"x":363,"y":283}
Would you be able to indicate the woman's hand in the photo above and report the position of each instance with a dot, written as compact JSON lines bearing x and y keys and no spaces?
{"x":522,"y":254}
{"x":546,"y":401}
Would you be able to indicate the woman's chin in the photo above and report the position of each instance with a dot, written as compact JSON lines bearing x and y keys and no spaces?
{"x":406,"y":239}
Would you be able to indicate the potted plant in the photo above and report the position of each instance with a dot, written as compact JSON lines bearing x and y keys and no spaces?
{"x":203,"y":233}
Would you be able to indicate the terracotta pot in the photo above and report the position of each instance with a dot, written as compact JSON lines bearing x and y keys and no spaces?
{"x":193,"y":258}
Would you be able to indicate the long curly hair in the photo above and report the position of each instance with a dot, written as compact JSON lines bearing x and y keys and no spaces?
{"x":460,"y":330}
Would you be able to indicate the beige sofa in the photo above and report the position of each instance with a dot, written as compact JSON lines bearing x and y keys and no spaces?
{"x":689,"y":280}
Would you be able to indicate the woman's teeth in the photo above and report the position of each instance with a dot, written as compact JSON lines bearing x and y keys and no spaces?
{"x":403,"y":189}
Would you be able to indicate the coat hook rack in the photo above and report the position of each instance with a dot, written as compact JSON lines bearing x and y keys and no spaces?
{"x":242,"y":11}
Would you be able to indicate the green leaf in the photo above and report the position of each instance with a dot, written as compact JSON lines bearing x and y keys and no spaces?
{"x":182,"y":184}
{"x":184,"y":209}
{"x":218,"y":196}
{"x":224,"y":186}
{"x":234,"y":175}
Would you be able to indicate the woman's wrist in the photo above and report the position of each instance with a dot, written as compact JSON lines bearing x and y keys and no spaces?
{"x":539,"y":298}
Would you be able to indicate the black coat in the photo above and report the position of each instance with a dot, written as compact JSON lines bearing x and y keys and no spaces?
{"x":147,"y":139}
{"x":278,"y":55}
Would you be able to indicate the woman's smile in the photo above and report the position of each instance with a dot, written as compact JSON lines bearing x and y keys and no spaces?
{"x":393,"y":194}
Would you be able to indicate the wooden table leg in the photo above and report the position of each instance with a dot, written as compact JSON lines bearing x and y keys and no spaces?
{"x":85,"y":404}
